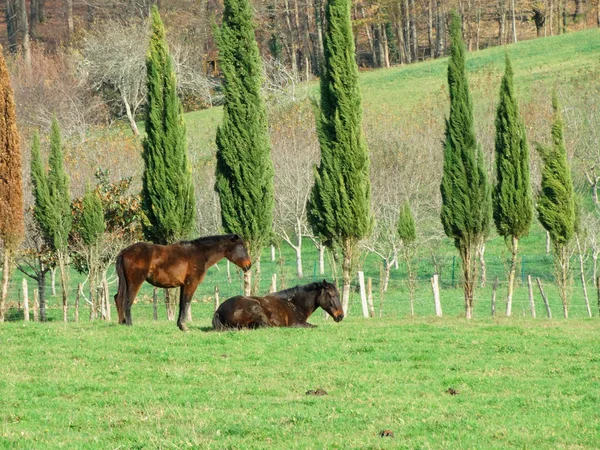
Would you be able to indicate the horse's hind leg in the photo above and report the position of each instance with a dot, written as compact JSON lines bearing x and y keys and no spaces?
{"x":133,"y":288}
{"x":185,"y":299}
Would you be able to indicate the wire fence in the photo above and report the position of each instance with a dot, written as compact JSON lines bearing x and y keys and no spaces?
{"x":393,"y":303}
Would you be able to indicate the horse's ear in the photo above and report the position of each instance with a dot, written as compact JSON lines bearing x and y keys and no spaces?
{"x":235,"y":238}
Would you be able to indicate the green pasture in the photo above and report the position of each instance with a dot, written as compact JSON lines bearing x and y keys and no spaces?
{"x":521,"y":384}
{"x":395,"y":93}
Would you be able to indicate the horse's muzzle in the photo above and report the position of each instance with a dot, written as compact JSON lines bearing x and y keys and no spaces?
{"x":338,"y":316}
{"x":246,"y":267}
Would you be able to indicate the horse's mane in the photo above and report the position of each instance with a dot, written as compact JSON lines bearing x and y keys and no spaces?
{"x":291,"y":292}
{"x":210,"y":240}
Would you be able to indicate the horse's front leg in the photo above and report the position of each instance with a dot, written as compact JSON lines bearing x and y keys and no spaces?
{"x":185,"y":299}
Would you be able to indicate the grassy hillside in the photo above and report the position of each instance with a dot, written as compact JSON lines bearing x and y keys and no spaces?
{"x":520,"y":384}
{"x":555,"y":60}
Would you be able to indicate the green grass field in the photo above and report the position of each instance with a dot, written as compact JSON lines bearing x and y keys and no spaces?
{"x":520,"y":383}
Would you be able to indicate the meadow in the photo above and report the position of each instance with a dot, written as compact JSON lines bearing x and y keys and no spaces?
{"x":518,"y":383}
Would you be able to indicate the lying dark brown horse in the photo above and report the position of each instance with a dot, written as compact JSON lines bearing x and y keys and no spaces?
{"x":167,"y":266}
{"x":289,"y":308}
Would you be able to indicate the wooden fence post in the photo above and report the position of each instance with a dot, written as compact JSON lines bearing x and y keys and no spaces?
{"x":25,"y":301}
{"x":217,"y":302}
{"x":273,"y":287}
{"x":494,"y":297}
{"x":370,"y":296}
{"x":363,"y":293}
{"x":531,"y":303}
{"x":106,"y":298}
{"x":435,"y":285}
{"x":539,"y":283}
{"x":36,"y":305}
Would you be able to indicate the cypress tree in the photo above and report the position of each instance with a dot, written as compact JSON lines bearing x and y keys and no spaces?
{"x":92,"y":218}
{"x":61,"y":219}
{"x":42,"y":206}
{"x":407,"y":232}
{"x":556,"y":202}
{"x":512,"y":201}
{"x":92,"y":227}
{"x":168,"y":200}
{"x":339,"y":209}
{"x":11,"y":184}
{"x":466,"y":194}
{"x":244,"y":171}
{"x":58,"y":190}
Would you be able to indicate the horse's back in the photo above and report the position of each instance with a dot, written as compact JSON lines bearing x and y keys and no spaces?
{"x":251,"y":312}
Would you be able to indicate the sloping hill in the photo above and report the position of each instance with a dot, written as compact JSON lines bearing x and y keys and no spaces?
{"x":555,"y":60}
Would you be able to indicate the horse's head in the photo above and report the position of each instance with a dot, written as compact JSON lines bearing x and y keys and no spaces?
{"x":329,"y":300}
{"x":237,"y":253}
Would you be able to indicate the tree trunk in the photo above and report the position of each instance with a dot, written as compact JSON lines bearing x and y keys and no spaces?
{"x":562,"y":258}
{"x":407,"y":42}
{"x":377,"y":46}
{"x":430,"y":28}
{"x":34,"y":18}
{"x":321,"y":259}
{"x":469,"y":275}
{"x":385,"y":46}
{"x":12,"y":25}
{"x":130,"y":117}
{"x":413,"y":31}
{"x":5,"y":279}
{"x":501,"y":20}
{"x":69,"y":17}
{"x":511,"y":275}
{"x":514,"y":21}
{"x":292,"y":38}
{"x":440,"y":31}
{"x":248,"y":282}
{"x":318,"y":5}
{"x":64,"y":282}
{"x":582,"y":273}
{"x":298,"y":251}
{"x":24,"y":30}
{"x":481,"y":254}
{"x":411,"y":284}
{"x":347,"y":253}
{"x":42,"y":293}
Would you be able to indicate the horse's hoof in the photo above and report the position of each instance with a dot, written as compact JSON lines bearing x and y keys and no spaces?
{"x":183,"y":328}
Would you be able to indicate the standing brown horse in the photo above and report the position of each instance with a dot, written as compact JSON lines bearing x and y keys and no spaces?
{"x":289,"y":308}
{"x":167,"y":266}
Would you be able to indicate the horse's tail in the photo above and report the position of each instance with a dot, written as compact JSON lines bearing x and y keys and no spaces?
{"x":121,"y":295}
{"x":217,"y":322}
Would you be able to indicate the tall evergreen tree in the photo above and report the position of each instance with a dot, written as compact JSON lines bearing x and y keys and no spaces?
{"x":11,"y":184}
{"x":339,"y":208}
{"x":168,"y":200}
{"x":466,"y":194}
{"x":244,"y":172}
{"x":407,"y":232}
{"x":42,"y":209}
{"x":61,"y":220}
{"x":556,"y":202}
{"x":92,"y":227}
{"x":512,"y":201}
